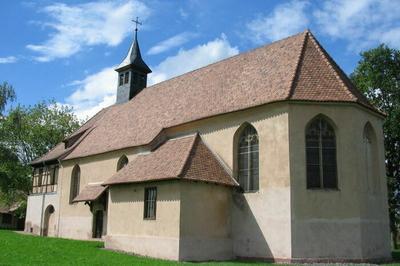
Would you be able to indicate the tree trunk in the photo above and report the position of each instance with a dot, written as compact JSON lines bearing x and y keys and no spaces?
{"x":394,"y":238}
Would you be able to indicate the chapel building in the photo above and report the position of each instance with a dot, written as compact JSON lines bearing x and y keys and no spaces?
{"x":270,"y":154}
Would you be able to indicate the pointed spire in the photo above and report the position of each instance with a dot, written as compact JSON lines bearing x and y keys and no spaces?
{"x":134,"y":57}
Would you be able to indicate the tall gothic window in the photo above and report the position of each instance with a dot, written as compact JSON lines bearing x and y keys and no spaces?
{"x":321,"y":154}
{"x":371,"y":159}
{"x":122,"y":162}
{"x":75,"y":181}
{"x":247,"y":158}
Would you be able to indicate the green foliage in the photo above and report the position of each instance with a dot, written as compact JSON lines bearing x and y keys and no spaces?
{"x":17,"y":249}
{"x":7,"y":94}
{"x":31,"y":131}
{"x":26,"y":133}
{"x":378,"y":77}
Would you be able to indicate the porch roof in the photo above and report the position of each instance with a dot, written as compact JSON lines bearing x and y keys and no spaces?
{"x":90,"y":193}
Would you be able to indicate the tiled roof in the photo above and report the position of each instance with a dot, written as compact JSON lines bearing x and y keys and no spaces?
{"x":8,"y":209}
{"x":185,"y":158}
{"x":296,"y":68}
{"x":59,"y":151}
{"x":90,"y":193}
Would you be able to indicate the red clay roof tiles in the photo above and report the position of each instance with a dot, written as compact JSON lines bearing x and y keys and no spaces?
{"x":296,"y":68}
{"x":90,"y":193}
{"x":184,"y":158}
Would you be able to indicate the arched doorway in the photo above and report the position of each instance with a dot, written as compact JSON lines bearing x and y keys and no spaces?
{"x":49,"y":221}
{"x":98,"y":224}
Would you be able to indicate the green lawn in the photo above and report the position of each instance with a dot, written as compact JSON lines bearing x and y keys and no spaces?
{"x":18,"y":249}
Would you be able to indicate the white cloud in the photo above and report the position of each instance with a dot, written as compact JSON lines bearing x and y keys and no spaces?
{"x":98,"y":90}
{"x":8,"y":60}
{"x":187,"y":60}
{"x":170,"y":43}
{"x":82,"y":25}
{"x":183,"y":13}
{"x":93,"y":93}
{"x":286,"y":19}
{"x":363,"y":23}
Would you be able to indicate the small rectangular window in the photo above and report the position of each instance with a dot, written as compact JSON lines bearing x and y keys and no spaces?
{"x":150,"y":203}
{"x":126,"y":77}
{"x":121,"y":79}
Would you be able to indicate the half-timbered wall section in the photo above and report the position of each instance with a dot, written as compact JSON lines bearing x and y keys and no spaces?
{"x":45,"y":179}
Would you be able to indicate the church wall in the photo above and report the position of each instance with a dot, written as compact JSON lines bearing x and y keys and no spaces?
{"x":129,"y":231}
{"x":35,"y":212}
{"x":261,"y":220}
{"x":76,"y":220}
{"x":347,"y":223}
{"x":205,"y":222}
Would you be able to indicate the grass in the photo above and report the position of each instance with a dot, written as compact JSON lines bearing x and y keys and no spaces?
{"x":18,"y":249}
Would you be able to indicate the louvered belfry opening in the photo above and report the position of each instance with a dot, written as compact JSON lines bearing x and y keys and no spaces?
{"x":321,"y":155}
{"x":248,"y":165}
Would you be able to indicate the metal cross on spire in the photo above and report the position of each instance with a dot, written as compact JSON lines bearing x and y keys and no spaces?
{"x":137,"y":22}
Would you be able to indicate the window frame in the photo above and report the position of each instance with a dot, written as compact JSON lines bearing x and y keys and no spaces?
{"x":370,"y":154}
{"x":121,"y":164}
{"x":126,"y":77}
{"x":75,"y":183}
{"x":253,"y":152}
{"x":121,"y":79}
{"x":147,"y":215}
{"x":321,"y":149}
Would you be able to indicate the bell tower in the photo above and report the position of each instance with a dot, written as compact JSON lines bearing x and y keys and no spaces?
{"x":132,"y":72}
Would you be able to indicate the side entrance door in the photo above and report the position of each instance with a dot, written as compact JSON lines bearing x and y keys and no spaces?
{"x":98,"y":224}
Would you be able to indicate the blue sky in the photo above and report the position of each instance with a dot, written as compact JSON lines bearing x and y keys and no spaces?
{"x":67,"y":50}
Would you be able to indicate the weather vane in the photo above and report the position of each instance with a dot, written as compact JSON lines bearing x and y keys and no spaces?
{"x":137,"y":22}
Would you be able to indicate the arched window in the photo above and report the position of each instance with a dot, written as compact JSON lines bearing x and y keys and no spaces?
{"x":370,"y":159}
{"x":321,"y":154}
{"x":75,"y":181}
{"x":122,"y":162}
{"x":247,"y":158}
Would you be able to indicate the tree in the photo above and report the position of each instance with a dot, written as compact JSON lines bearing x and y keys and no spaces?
{"x":26,"y":133}
{"x":7,"y":94}
{"x":377,"y":75}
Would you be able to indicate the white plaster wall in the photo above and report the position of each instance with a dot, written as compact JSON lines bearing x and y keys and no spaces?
{"x":261,"y":223}
{"x":205,"y":222}
{"x":129,"y":231}
{"x":346,"y":223}
{"x":37,"y":205}
{"x":76,"y":219}
{"x":152,"y":246}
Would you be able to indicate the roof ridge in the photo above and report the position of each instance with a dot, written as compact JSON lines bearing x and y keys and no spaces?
{"x":299,"y":62}
{"x":330,"y":62}
{"x":187,"y":155}
{"x":220,"y":161}
{"x":226,"y":59}
{"x":76,"y":144}
{"x":347,"y":84}
{"x":76,"y":132}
